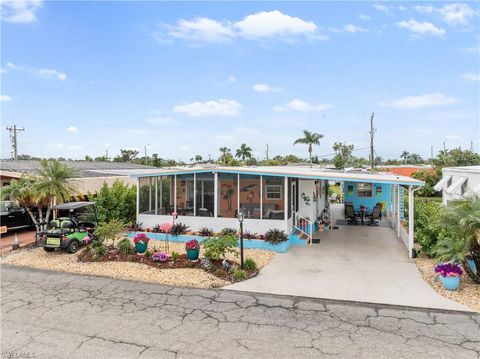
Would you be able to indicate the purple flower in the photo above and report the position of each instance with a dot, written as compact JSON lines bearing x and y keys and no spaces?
{"x":160,"y":257}
{"x":448,"y":270}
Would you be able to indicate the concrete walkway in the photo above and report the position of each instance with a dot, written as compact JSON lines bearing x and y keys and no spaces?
{"x":355,"y":263}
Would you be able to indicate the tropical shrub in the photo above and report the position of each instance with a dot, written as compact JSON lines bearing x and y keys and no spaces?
{"x":109,"y":230}
{"x":206,"y":232}
{"x":249,"y":235}
{"x":125,"y":247}
{"x":250,"y":264}
{"x":116,"y":202}
{"x":218,"y":247}
{"x":228,"y":232}
{"x":239,"y":274}
{"x":192,"y":245}
{"x":136,"y":227}
{"x":175,"y":256}
{"x":427,"y":230}
{"x":160,"y":257}
{"x":178,"y":228}
{"x":275,"y":236}
{"x":98,"y":249}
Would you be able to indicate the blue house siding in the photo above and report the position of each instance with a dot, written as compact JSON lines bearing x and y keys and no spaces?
{"x":380,"y":193}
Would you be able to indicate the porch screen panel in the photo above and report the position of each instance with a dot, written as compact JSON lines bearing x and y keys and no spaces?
{"x":185,"y":195}
{"x":164,"y":195}
{"x":205,"y":198}
{"x":273,"y":197}
{"x":145,"y":195}
{"x":227,"y":195}
{"x":250,"y":196}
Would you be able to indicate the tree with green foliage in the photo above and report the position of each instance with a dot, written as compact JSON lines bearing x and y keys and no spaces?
{"x":126,"y":155}
{"x":343,"y":154}
{"x":109,"y":230}
{"x":431,"y":179}
{"x":217,"y":247}
{"x":244,"y":152}
{"x":23,"y":193}
{"x":116,"y":202}
{"x":309,"y":139}
{"x":224,"y":152}
{"x":405,"y":156}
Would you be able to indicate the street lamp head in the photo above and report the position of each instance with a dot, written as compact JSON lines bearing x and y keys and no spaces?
{"x":241,"y":217}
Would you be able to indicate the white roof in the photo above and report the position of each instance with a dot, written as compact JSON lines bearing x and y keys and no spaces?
{"x":288,"y":171}
{"x":467,"y":169}
{"x":456,"y":184}
{"x":442,"y":183}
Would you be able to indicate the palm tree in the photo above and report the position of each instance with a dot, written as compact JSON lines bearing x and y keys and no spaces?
{"x":310,"y":139}
{"x":224,"y":151}
{"x":198,"y":158}
{"x":405,"y":155}
{"x":244,"y":152}
{"x":53,"y":183}
{"x":22,"y":192}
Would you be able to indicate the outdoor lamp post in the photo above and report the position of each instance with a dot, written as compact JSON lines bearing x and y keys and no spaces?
{"x":240,"y":220}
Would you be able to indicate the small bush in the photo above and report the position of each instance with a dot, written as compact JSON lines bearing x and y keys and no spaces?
{"x":136,"y":227}
{"x":239,"y":275}
{"x":98,"y":249}
{"x":275,"y":236}
{"x":178,"y":228}
{"x":148,"y":253}
{"x":175,"y":256}
{"x":125,"y":247}
{"x":249,"y":235}
{"x":250,"y":264}
{"x":218,"y":247}
{"x":206,"y":232}
{"x":228,"y":232}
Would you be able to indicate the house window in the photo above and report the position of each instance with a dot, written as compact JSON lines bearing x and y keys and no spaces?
{"x":364,"y":190}
{"x":273,"y":191}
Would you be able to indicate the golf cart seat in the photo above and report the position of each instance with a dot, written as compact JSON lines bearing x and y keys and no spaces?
{"x":54,"y":224}
{"x":68,"y":225}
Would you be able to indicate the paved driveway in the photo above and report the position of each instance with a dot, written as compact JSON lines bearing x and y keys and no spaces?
{"x":353,"y":263}
{"x":55,"y":315}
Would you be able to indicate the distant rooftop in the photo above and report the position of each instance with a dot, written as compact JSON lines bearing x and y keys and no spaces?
{"x":84,"y":168}
{"x":472,"y":169}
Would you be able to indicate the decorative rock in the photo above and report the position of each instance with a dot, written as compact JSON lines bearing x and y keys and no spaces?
{"x":205,"y":262}
{"x":226,"y":265}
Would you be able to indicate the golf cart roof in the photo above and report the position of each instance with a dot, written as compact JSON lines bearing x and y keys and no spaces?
{"x":73,"y":205}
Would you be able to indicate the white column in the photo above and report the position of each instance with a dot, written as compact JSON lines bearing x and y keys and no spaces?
{"x":238,"y":193}
{"x":215,"y":195}
{"x":194,"y":194}
{"x":285,"y":198}
{"x":261,"y":196}
{"x":149,"y":194}
{"x":175,"y":193}
{"x":138,"y":197}
{"x":156,"y":194}
{"x":411,"y":219}
{"x":398,"y":210}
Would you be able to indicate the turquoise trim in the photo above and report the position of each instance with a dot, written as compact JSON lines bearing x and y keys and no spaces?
{"x":293,"y":240}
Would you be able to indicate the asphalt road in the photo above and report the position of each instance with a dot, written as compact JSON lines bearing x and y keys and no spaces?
{"x":55,"y":315}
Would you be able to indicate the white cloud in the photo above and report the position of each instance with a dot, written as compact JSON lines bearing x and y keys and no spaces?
{"x":457,"y":14}
{"x":232,"y":79}
{"x":471,"y":76}
{"x":427,"y":100}
{"x":261,"y":25}
{"x":19,"y":11}
{"x":266,"y":88}
{"x":421,"y":28}
{"x":301,"y":106}
{"x":72,"y":129}
{"x":161,"y":120}
{"x":349,"y":28}
{"x":424,"y":9}
{"x":5,"y":98}
{"x":51,"y":73}
{"x":382,"y":8}
{"x":220,"y":107}
{"x":364,"y":17}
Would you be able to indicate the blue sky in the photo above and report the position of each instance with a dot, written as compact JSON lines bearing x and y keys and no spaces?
{"x":188,"y":78}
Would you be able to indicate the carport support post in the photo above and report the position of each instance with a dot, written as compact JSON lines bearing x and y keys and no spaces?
{"x":138,"y":197}
{"x":398,"y":209}
{"x":411,"y":219}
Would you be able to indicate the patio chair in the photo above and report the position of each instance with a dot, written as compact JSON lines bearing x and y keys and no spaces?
{"x":350,"y":214}
{"x":344,"y":209}
{"x":381,"y":208}
{"x":375,"y":216}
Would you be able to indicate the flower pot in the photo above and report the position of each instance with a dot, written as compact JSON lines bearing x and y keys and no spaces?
{"x":472,"y":265}
{"x":451,"y":283}
{"x":192,"y":254}
{"x":141,"y":248}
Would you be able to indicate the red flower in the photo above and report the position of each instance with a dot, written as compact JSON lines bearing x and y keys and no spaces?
{"x":192,"y":244}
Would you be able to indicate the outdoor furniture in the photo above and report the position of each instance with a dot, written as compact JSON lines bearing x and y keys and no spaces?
{"x":344,"y":209}
{"x":374,"y":217}
{"x":381,"y":208}
{"x":350,"y":214}
{"x":204,"y":212}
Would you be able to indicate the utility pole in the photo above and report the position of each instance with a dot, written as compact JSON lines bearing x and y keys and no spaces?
{"x":267,"y":151}
{"x":431,"y":153}
{"x":13,"y":139}
{"x":106,"y":154}
{"x":372,"y":134}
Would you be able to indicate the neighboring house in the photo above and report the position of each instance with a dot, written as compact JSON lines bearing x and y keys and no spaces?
{"x":458,"y":183}
{"x":283,"y":197}
{"x":406,"y":170}
{"x":90,"y":175}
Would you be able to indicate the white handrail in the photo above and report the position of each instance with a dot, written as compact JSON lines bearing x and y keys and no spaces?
{"x":303,"y":225}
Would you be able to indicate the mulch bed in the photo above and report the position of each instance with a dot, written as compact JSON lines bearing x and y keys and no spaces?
{"x":215,"y":267}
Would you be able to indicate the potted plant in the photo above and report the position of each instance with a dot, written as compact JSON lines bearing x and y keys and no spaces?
{"x":141,"y":243}
{"x":450,"y":274}
{"x":193,"y":249}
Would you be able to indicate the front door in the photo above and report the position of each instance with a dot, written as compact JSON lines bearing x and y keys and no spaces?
{"x":294,"y":196}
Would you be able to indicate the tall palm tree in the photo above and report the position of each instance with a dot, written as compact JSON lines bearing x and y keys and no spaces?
{"x":244,"y":152}
{"x":310,"y":139}
{"x":22,"y":192}
{"x":405,"y":155}
{"x":224,"y":151}
{"x":54,"y":183}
